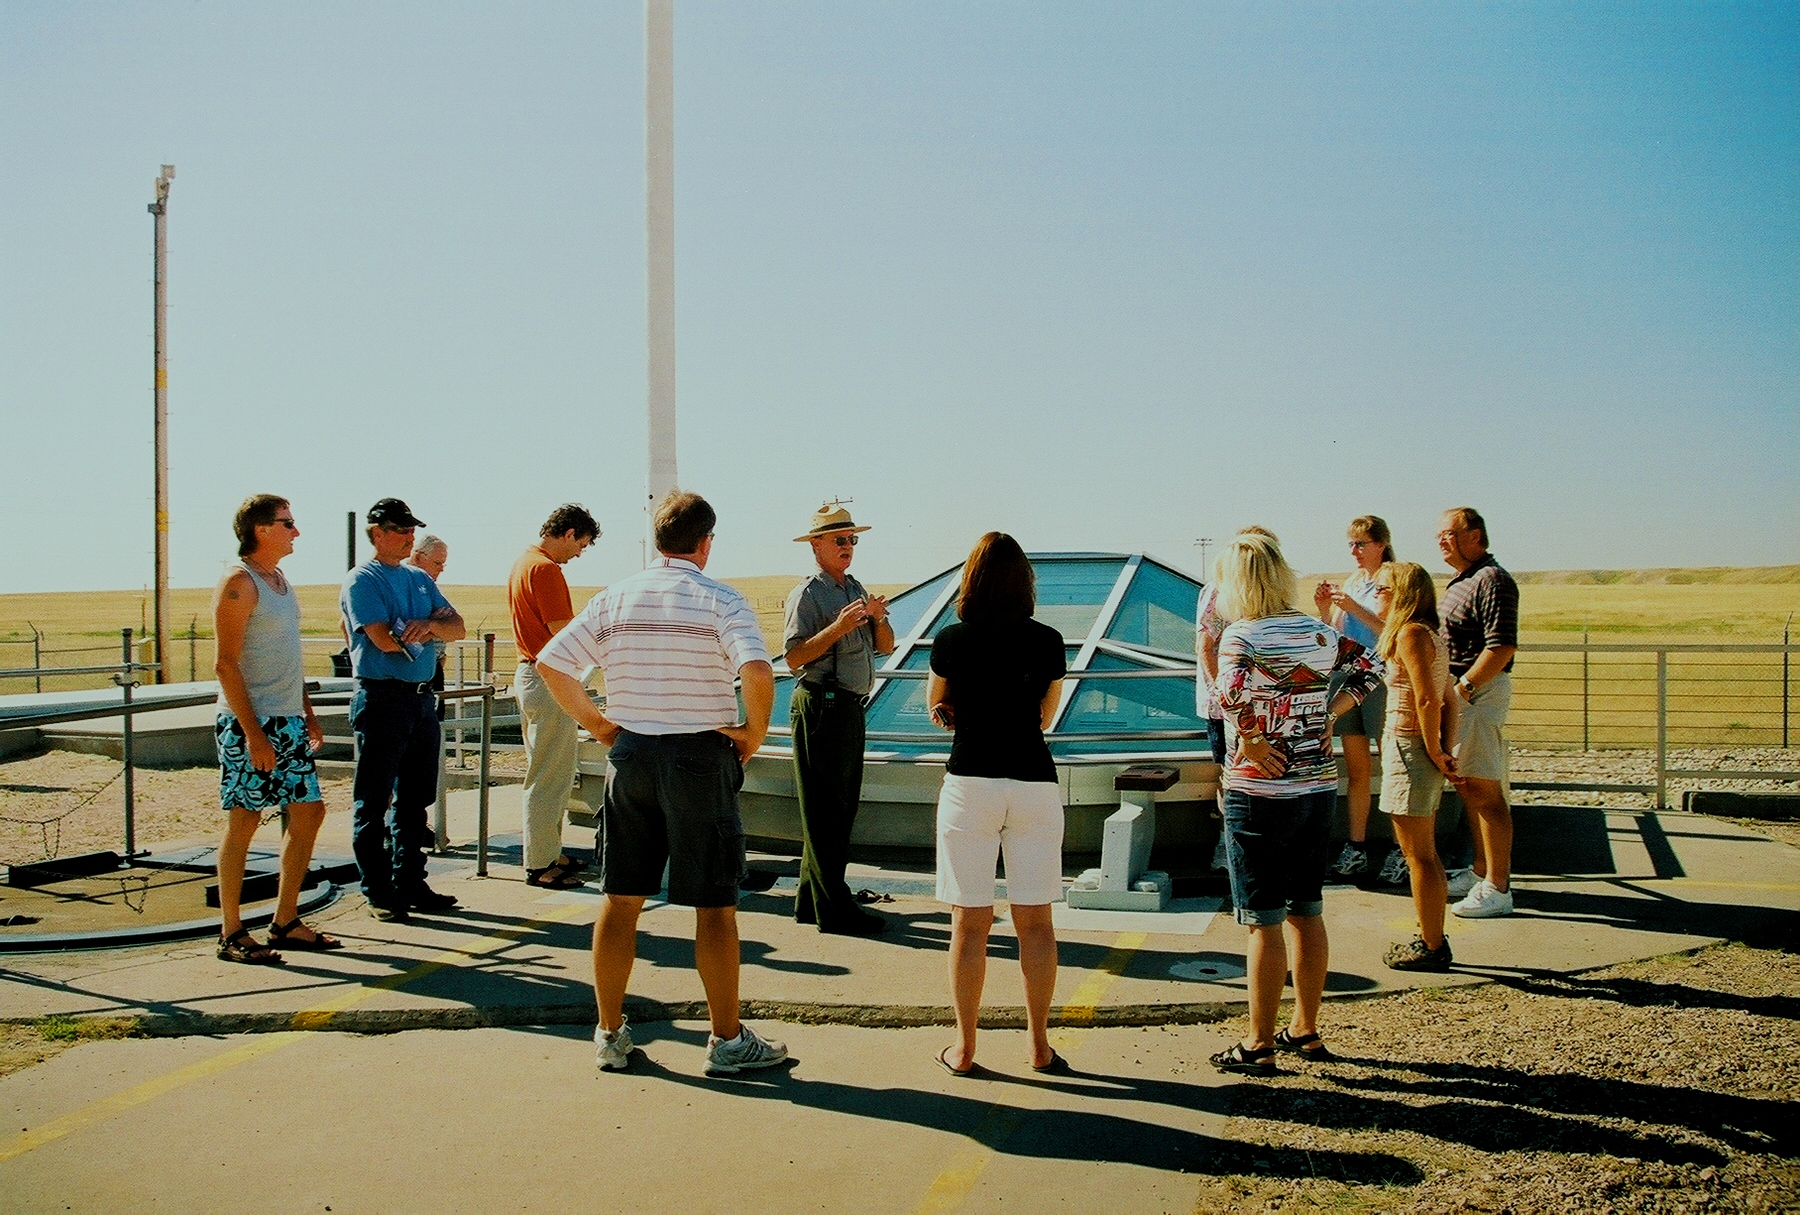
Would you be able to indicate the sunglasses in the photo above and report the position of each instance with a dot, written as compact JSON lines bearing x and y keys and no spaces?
{"x":287,"y":523}
{"x":845,"y":541}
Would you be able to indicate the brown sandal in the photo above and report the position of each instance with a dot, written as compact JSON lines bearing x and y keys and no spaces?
{"x":240,"y":946}
{"x":283,"y":935}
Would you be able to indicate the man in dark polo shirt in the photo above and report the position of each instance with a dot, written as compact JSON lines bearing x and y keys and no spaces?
{"x":1480,"y":613}
{"x":834,"y":630}
{"x":393,"y":612}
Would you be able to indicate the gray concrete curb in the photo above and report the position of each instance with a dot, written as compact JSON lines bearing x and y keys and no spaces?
{"x":399,"y":1020}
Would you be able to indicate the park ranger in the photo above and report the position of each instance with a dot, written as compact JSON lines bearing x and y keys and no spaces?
{"x":834,"y":629}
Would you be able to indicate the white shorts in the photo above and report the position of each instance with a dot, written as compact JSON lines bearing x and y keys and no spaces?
{"x":1481,"y":749}
{"x":977,"y":817}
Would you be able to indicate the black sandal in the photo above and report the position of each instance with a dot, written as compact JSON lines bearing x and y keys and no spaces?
{"x":1260,"y":1062}
{"x":283,"y":935}
{"x":553,"y":877}
{"x":1307,"y":1046}
{"x":240,"y":946}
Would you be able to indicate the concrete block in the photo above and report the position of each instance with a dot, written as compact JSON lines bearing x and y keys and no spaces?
{"x":1741,"y":805}
{"x":1126,"y":839}
{"x":1151,"y":892}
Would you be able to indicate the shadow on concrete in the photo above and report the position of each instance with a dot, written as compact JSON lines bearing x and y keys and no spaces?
{"x":1063,"y":1134}
{"x":1648,"y":909}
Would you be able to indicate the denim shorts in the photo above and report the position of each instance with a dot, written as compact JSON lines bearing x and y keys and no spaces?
{"x":672,"y":799}
{"x":1277,"y":849}
{"x":1215,"y":736}
{"x":1366,"y":718}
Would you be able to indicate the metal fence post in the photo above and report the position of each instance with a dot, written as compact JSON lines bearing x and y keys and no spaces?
{"x":1662,"y":728}
{"x":1584,"y":689}
{"x":487,"y":725}
{"x":37,"y":656}
{"x":1785,"y":681}
{"x":487,"y":659}
{"x":193,"y":641}
{"x":462,"y":678}
{"x":128,"y":676}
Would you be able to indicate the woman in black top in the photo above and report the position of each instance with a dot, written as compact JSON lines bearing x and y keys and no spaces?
{"x":996,"y":679}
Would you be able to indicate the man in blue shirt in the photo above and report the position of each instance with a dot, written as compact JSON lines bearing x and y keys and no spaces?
{"x":393,"y":612}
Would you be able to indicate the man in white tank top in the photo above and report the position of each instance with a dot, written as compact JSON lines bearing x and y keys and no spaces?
{"x":266,"y":730}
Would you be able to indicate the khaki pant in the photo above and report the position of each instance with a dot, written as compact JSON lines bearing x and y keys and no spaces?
{"x":550,"y":753}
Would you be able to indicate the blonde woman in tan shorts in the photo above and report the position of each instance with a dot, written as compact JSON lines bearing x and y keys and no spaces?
{"x":1415,"y":749}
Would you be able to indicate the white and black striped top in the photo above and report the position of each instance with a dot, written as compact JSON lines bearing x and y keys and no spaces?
{"x":670,"y":641}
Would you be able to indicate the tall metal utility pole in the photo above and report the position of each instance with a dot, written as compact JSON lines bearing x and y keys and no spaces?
{"x":160,"y":209}
{"x":659,"y":230}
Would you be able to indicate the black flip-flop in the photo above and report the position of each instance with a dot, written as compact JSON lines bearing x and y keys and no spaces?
{"x":1057,"y":1066}
{"x":944,"y":1062}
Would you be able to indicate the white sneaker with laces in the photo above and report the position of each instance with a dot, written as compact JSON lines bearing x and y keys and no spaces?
{"x":612,"y":1051}
{"x":725,"y":1057}
{"x":1484,"y":902}
{"x":1393,"y":870}
{"x":1462,"y":881}
{"x":1351,"y":862}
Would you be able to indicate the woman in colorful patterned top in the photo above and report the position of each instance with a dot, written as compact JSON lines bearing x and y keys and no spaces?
{"x":1354,"y":610}
{"x":1275,"y":667}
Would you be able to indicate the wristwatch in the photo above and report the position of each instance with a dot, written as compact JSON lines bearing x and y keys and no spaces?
{"x":1468,"y":689}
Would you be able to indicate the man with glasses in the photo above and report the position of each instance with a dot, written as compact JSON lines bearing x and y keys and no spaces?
{"x":834,"y":629}
{"x":538,"y":596}
{"x":1480,"y":613}
{"x":393,"y":612}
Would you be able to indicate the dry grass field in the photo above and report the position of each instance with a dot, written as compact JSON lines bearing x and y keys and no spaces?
{"x":1560,"y":701}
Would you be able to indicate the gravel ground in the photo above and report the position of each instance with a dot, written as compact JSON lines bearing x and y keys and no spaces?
{"x":1664,"y":1085}
{"x":1639,"y":768}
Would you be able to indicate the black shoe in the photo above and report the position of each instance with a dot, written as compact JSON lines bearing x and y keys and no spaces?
{"x":393,"y":913}
{"x":862,"y":926}
{"x":1416,"y":955}
{"x":427,"y":900}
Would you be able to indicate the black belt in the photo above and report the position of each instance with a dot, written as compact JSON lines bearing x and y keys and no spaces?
{"x":419,"y":687}
{"x":830,"y":689}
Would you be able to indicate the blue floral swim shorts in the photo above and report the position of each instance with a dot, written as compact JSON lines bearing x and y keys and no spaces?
{"x":295,"y":780}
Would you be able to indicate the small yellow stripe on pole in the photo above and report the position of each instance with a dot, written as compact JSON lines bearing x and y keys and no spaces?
{"x":309,"y":1019}
{"x":162,"y":377}
{"x":952,"y":1186}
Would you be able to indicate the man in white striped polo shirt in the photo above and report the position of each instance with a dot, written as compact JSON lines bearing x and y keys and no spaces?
{"x":670,"y":640}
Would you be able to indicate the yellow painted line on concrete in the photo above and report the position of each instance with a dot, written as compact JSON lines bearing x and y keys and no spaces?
{"x":952,"y":1186}
{"x":308,"y":1019}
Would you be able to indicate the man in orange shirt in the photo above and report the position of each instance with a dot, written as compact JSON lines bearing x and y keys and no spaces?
{"x":539,"y":598}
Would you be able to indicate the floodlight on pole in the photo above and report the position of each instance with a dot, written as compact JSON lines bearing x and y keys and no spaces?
{"x":160,"y":210}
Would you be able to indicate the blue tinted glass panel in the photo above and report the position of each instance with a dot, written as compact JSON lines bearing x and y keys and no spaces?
{"x":1131,"y":706}
{"x":784,"y":696}
{"x":1070,"y":593}
{"x":900,"y":705}
{"x":1157,"y":611}
{"x":905,"y":608}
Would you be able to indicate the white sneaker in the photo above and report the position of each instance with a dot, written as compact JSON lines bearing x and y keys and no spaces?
{"x":1351,"y":862}
{"x":1393,"y":870}
{"x":612,"y":1051}
{"x":725,"y":1057}
{"x":1484,"y":902}
{"x":1462,"y":881}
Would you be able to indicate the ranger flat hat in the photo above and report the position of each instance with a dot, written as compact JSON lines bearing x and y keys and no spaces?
{"x":829,"y":520}
{"x":393,"y":513}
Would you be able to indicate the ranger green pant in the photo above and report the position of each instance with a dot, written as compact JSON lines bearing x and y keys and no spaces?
{"x":828,"y":768}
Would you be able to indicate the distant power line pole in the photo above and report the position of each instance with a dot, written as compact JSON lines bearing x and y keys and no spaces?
{"x":1205,"y":542}
{"x":160,"y":209}
{"x":659,"y":233}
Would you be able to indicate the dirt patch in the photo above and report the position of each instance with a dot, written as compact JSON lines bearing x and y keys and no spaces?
{"x":63,"y":803}
{"x":1665,"y":1085}
{"x":23,"y":1046}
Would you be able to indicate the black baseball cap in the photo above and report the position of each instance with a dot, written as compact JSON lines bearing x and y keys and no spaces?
{"x":391,"y":512}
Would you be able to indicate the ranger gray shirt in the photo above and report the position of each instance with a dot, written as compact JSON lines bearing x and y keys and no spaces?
{"x":812,"y":606}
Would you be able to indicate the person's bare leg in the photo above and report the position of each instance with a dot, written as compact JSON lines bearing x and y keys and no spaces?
{"x":1267,"y":961}
{"x":1358,"y":772}
{"x":1417,"y":837}
{"x":1493,"y":829}
{"x":717,"y":958}
{"x":615,"y":949}
{"x":240,"y":828}
{"x":303,"y":823}
{"x":1037,"y":959}
{"x":1311,"y":953}
{"x":969,"y":928}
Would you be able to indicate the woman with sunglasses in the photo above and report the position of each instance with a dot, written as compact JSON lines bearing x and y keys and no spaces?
{"x":1415,"y":749}
{"x":1353,"y":610}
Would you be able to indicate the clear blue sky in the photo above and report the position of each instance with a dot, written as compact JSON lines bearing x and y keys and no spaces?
{"x":1104,"y":276}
